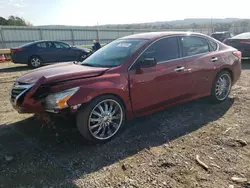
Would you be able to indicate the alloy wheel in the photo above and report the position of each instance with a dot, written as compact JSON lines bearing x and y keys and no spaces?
{"x":105,"y":119}
{"x":223,"y":86}
{"x":35,"y":62}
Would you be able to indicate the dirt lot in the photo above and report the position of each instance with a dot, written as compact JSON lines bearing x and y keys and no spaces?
{"x":155,"y":151}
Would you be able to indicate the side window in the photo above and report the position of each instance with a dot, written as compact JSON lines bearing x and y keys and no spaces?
{"x":192,"y":45}
{"x":212,"y":45}
{"x":61,"y":45}
{"x":41,"y":45}
{"x":163,"y":50}
{"x":51,"y":45}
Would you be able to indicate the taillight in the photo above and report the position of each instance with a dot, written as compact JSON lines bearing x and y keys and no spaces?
{"x":245,"y":41}
{"x":17,"y":50}
{"x":237,"y":54}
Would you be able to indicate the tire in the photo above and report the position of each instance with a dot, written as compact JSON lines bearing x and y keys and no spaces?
{"x":35,"y":62}
{"x":216,"y":97}
{"x":92,"y":120}
{"x":82,"y":57}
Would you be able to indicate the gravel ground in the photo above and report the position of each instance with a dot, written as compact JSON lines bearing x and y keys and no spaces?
{"x":159,"y":150}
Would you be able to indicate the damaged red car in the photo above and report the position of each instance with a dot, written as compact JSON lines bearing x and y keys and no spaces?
{"x":130,"y":77}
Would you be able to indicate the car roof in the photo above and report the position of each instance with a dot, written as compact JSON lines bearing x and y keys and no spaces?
{"x":156,"y":35}
{"x":38,"y":41}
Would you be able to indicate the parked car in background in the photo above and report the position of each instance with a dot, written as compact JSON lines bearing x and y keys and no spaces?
{"x":37,"y":53}
{"x":242,"y":43}
{"x":130,"y":77}
{"x":221,"y":36}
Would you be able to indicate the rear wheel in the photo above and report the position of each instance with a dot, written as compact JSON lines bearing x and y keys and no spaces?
{"x":221,"y":87}
{"x":35,"y":62}
{"x":101,"y":120}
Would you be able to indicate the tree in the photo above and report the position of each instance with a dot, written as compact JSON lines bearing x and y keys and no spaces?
{"x":15,"y":21}
{"x":3,"y":21}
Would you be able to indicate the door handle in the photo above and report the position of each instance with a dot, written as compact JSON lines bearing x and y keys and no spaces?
{"x":178,"y":69}
{"x":213,"y":59}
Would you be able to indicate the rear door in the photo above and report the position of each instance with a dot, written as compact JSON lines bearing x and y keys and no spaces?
{"x":164,"y":84}
{"x":41,"y":49}
{"x":201,"y":57}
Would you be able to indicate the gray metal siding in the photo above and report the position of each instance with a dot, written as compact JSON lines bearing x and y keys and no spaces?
{"x":12,"y":36}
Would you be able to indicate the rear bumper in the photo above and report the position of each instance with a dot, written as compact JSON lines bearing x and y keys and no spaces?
{"x":245,"y":58}
{"x":236,"y":72}
{"x":17,"y":59}
{"x":245,"y":53}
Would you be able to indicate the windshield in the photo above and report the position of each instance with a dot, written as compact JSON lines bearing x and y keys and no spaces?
{"x":114,"y":53}
{"x":219,"y":36}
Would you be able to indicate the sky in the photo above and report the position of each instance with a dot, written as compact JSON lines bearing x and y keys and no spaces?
{"x":93,"y":12}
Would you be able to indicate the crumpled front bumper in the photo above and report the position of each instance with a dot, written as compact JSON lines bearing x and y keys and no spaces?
{"x":23,"y":101}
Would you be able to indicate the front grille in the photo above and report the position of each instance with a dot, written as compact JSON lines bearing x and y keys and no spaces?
{"x":18,"y":91}
{"x":15,"y":92}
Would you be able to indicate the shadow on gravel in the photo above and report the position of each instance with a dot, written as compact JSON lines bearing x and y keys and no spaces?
{"x":54,"y":163}
{"x":14,"y":69}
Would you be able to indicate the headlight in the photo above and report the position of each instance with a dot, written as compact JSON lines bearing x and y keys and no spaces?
{"x":59,"y":100}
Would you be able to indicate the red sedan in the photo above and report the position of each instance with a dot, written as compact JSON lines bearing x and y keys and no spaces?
{"x":130,"y":77}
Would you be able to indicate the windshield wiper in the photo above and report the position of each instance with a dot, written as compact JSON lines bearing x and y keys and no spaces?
{"x":87,"y":64}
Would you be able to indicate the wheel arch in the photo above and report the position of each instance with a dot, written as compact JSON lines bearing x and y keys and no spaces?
{"x":35,"y":56}
{"x":108,"y":94}
{"x":127,"y":107}
{"x":228,"y":70}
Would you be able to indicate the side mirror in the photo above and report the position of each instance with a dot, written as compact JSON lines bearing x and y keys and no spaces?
{"x":148,"y":62}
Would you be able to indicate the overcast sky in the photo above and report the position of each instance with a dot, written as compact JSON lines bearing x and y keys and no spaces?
{"x":91,"y":12}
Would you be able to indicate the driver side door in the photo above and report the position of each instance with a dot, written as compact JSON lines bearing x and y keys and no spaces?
{"x":65,"y":52}
{"x":164,"y":84}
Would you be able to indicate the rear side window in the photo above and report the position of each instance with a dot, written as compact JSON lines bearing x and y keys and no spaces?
{"x":163,"y":50}
{"x":41,"y":45}
{"x":192,"y":45}
{"x":212,"y":45}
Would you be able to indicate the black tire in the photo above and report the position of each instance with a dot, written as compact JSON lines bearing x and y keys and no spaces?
{"x":35,"y":62}
{"x":82,"y":57}
{"x":214,"y":98}
{"x":84,"y":113}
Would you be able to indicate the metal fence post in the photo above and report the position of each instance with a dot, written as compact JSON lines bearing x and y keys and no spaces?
{"x":72,"y":37}
{"x":98,"y":35}
{"x":41,"y":34}
{"x":1,"y":36}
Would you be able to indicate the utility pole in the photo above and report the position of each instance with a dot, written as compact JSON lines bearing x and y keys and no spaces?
{"x":212,"y":26}
{"x":98,"y":35}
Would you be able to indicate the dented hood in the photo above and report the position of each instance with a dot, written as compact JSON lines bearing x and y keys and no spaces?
{"x":61,"y":72}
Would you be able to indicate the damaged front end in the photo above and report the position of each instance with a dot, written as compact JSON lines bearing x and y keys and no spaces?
{"x":38,"y":99}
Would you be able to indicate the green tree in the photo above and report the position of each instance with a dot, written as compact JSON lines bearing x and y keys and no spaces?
{"x":15,"y":21}
{"x":3,"y":21}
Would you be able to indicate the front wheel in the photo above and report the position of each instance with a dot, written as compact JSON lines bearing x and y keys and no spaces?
{"x":101,"y":120}
{"x":82,"y":57}
{"x":221,"y":87}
